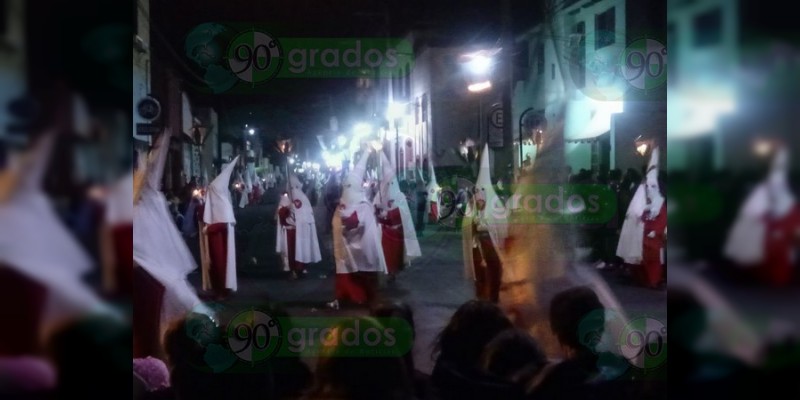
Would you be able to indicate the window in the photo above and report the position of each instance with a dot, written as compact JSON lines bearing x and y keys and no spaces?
{"x":707,"y":28}
{"x":579,"y":59}
{"x":672,"y":49}
{"x":425,"y":107}
{"x":540,"y":58}
{"x":417,"y":111}
{"x":4,"y":17}
{"x":604,"y":26}
{"x":407,"y":91}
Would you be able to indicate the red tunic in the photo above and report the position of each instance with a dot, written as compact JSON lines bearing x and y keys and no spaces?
{"x":285,"y":217}
{"x":218,"y":252}
{"x":148,"y":300}
{"x":652,"y":270}
{"x":433,"y":216}
{"x":779,"y":243}
{"x":392,"y":240}
{"x":122,"y":240}
{"x":22,"y":304}
{"x":358,"y":287}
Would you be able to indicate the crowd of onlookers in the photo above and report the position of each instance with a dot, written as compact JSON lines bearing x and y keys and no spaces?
{"x":479,"y":354}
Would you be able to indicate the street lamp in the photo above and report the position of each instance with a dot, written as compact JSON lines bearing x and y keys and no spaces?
{"x":478,"y":66}
{"x":480,"y":86}
{"x":252,"y":131}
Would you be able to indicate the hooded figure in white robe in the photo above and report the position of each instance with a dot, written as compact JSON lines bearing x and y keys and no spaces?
{"x":41,"y":263}
{"x":629,"y":247}
{"x":243,"y":188}
{"x":399,"y":239}
{"x":651,"y":273}
{"x":160,"y":250}
{"x":357,"y":244}
{"x":433,"y":189}
{"x":218,"y":239}
{"x":307,"y":244}
{"x":484,"y":231}
{"x":767,"y":230}
{"x":285,"y":226}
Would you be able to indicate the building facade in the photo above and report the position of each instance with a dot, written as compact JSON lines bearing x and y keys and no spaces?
{"x":604,"y":64}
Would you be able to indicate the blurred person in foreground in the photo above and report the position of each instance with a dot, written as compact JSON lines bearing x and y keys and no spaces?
{"x":162,"y":259}
{"x":42,"y":268}
{"x":514,"y":356}
{"x":421,"y":381}
{"x":765,"y":237}
{"x":340,"y":376}
{"x":200,"y":364}
{"x":577,"y":318}
{"x":457,"y":373}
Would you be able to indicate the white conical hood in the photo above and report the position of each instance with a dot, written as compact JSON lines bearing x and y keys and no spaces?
{"x":36,"y":244}
{"x":284,"y":201}
{"x":494,"y":214}
{"x":485,"y":174}
{"x":433,"y":187}
{"x":158,"y":246}
{"x":393,"y":198}
{"x":653,"y":165}
{"x":781,"y":199}
{"x":294,"y":182}
{"x":119,"y":202}
{"x":353,"y":190}
{"x":219,"y":207}
{"x":387,"y":177}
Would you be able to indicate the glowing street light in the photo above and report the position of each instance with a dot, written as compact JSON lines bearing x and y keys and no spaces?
{"x":762,"y":147}
{"x":395,"y":111}
{"x":362,"y":129}
{"x":252,"y":131}
{"x":479,"y":63}
{"x":480,"y":86}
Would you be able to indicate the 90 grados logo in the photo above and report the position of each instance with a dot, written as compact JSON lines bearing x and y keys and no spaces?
{"x":239,"y":57}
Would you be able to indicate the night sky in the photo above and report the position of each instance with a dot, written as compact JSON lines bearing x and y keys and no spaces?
{"x":301,"y":106}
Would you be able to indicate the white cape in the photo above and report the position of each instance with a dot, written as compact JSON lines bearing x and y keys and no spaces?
{"x":306,"y":241}
{"x":219,"y":209}
{"x":36,"y":244}
{"x":159,"y":248}
{"x":358,"y":250}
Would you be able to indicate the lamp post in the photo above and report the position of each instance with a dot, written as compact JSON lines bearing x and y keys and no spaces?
{"x":395,"y":112}
{"x":285,"y":147}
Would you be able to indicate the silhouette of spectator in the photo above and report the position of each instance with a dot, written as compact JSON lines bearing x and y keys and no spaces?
{"x":457,"y":373}
{"x":340,"y":376}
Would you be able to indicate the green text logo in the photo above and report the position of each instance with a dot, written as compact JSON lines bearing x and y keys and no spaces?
{"x":239,"y":57}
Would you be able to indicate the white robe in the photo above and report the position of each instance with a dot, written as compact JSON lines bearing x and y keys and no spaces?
{"x":35,"y":243}
{"x":631,"y":237}
{"x":306,"y":239}
{"x":219,"y":209}
{"x":359,"y":249}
